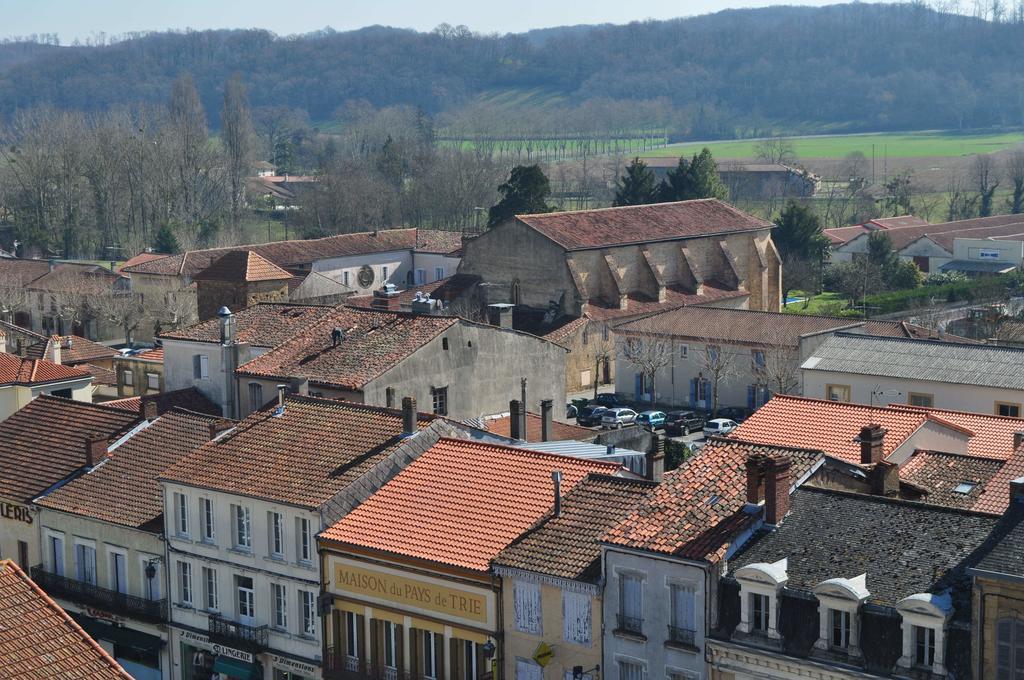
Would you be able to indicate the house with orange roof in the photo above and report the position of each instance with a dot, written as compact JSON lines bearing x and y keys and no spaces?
{"x":22,"y":380}
{"x":409,"y":585}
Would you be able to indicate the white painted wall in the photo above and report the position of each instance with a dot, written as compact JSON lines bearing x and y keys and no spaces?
{"x":397,"y":263}
{"x":179,"y":372}
{"x":988,"y":250}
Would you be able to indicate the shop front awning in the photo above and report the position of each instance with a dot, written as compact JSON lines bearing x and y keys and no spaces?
{"x":237,"y":669}
{"x":125,"y":637}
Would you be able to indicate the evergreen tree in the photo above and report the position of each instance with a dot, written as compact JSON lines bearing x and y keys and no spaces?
{"x":524,"y":193}
{"x":166,"y":241}
{"x":880,"y":252}
{"x":694,"y":178}
{"x":637,"y":186}
{"x":801,"y":244}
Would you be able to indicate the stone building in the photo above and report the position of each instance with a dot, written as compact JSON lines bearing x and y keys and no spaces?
{"x":611,"y":264}
{"x":237,"y":280}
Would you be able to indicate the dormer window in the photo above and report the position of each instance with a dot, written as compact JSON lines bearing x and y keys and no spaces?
{"x":760,"y":585}
{"x":839,"y":601}
{"x":760,"y":606}
{"x":924,"y":646}
{"x":924,"y":631}
{"x":840,"y":629}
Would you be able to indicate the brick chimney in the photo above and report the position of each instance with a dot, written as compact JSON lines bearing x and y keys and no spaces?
{"x":409,"y":418}
{"x":514,"y":421}
{"x":546,"y":424}
{"x":95,"y":449}
{"x":654,"y":460}
{"x":220,"y":425}
{"x":871,"y":438}
{"x":885,"y":479}
{"x":150,"y":409}
{"x":3,"y":342}
{"x":776,"y":489}
{"x":55,"y":350}
{"x":755,"y":478}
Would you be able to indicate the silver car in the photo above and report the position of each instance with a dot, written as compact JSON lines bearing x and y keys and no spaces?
{"x":719,"y":427}
{"x":617,"y":417}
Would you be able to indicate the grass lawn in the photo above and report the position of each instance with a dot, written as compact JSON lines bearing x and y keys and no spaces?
{"x":825,"y":304}
{"x":895,"y":145}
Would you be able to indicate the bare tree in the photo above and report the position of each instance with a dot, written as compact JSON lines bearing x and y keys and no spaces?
{"x":13,"y":299}
{"x":237,"y":135}
{"x":775,"y":150}
{"x":986,"y":179}
{"x":780,"y":371}
{"x":119,"y":307}
{"x":962,"y":203}
{"x":1015,"y":173}
{"x":648,"y":354}
{"x":716,"y":366}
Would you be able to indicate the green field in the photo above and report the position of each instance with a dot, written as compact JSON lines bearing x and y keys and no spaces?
{"x":893,"y":145}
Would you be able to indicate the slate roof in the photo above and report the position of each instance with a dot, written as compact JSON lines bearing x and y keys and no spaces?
{"x":304,"y":252}
{"x":15,"y":370}
{"x":303,"y":457}
{"x":1006,"y":557}
{"x":374,"y":341}
{"x":502,"y":426}
{"x":940,"y":473}
{"x":242,"y":265}
{"x":44,"y":442}
{"x":904,"y":547}
{"x":568,"y":546}
{"x":741,"y":326}
{"x":39,"y":640}
{"x":698,"y":507}
{"x":267,"y":324}
{"x":123,"y":489}
{"x":605,"y":227}
{"x":460,"y":503}
{"x":187,"y":398}
{"x":947,"y":362}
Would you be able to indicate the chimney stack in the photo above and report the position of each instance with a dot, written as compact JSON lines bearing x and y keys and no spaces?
{"x":514,"y":421}
{"x":755,"y":477}
{"x":546,"y":424}
{"x":556,"y":477}
{"x":55,"y":350}
{"x":654,"y":463}
{"x":1018,"y":439}
{"x":149,"y":409}
{"x":409,"y":419}
{"x":776,"y":489}
{"x":219,"y":425}
{"x":871,"y":438}
{"x":281,"y":390}
{"x":500,"y":314}
{"x":885,"y":479}
{"x":95,"y":449}
{"x":227,"y":326}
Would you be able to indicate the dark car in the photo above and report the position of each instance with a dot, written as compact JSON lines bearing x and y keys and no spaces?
{"x":608,"y":400}
{"x":589,"y":416}
{"x":678,"y":423}
{"x":733,"y":413}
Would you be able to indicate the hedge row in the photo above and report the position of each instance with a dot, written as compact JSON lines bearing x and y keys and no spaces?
{"x":980,"y":289}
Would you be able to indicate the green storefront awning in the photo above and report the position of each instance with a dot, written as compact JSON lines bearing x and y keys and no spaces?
{"x":236,"y":668}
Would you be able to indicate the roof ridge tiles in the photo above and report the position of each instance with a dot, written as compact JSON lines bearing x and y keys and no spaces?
{"x":903,"y":502}
{"x":556,"y":213}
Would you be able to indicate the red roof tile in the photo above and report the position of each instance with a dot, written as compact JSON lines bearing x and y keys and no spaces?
{"x":460,"y":503}
{"x":15,"y":370}
{"x":39,"y":640}
{"x":502,"y":426}
{"x":996,"y":496}
{"x":373,"y":342}
{"x":155,"y":354}
{"x":992,"y":435}
{"x":604,"y":227}
{"x":698,"y":507}
{"x":140,"y":258}
{"x":242,"y":265}
{"x":940,"y":473}
{"x":303,"y":457}
{"x":44,"y":442}
{"x":267,"y":324}
{"x":188,"y":398}
{"x":74,"y":349}
{"x":123,"y":489}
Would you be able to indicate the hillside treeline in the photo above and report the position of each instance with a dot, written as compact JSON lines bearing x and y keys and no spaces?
{"x":744,"y":72}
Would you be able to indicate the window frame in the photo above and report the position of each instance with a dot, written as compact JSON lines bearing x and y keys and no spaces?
{"x":438,"y":273}
{"x":352,"y":634}
{"x":181,"y":515}
{"x":588,"y":627}
{"x":80,"y":563}
{"x":389,"y":641}
{"x":279,"y":606}
{"x":1010,"y":406}
{"x":275,"y":526}
{"x":923,"y":646}
{"x":128,"y":376}
{"x":208,"y":526}
{"x":911,"y":396}
{"x":56,"y":561}
{"x":185,"y":591}
{"x":527,"y":607}
{"x":829,"y":387}
{"x":113,"y":553}
{"x":241,"y":521}
{"x":304,"y":537}
{"x":844,"y":619}
{"x":307,"y":600}
{"x":439,"y":400}
{"x":211,"y":594}
{"x":760,"y":617}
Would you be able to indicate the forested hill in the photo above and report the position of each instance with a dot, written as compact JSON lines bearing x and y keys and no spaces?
{"x":856,"y":67}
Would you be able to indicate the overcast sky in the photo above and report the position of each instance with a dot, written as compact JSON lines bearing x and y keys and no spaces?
{"x":82,"y":18}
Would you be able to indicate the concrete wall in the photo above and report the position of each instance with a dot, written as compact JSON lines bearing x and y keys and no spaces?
{"x":178,"y":367}
{"x":1010,"y":252}
{"x":397,"y":263}
{"x":658,"y":573}
{"x":586,"y":344}
{"x":19,"y":522}
{"x":880,"y":390}
{"x":140,"y":370}
{"x":430,"y":262}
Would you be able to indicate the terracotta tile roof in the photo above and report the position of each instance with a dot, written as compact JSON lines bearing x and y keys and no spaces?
{"x":568,"y":546}
{"x":305,"y":252}
{"x":155,"y":354}
{"x":898,"y":222}
{"x":39,"y":640}
{"x":81,"y":351}
{"x":943,"y":234}
{"x":267,"y":324}
{"x":439,"y":241}
{"x":636,"y":305}
{"x":74,"y":276}
{"x":698,"y":507}
{"x":22,"y":271}
{"x":100,"y":375}
{"x":140,"y":258}
{"x":605,"y":227}
{"x":460,"y":503}
{"x":242,"y":265}
{"x":502,"y":426}
{"x":826,"y":425}
{"x":44,"y":442}
{"x":123,"y":489}
{"x":992,"y":435}
{"x":304,"y":457}
{"x":13,"y":330}
{"x":837,"y":236}
{"x":996,"y":496}
{"x":565,"y":330}
{"x":373,"y":342}
{"x":940,"y":473}
{"x":15,"y":370}
{"x":188,"y":398}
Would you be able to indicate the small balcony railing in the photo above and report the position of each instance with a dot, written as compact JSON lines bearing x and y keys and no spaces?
{"x":682,"y":636}
{"x":630,"y":624}
{"x":238,"y":635}
{"x":88,"y":594}
{"x":340,"y":666}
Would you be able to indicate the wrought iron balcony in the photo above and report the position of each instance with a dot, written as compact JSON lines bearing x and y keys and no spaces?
{"x":630,"y":624}
{"x":238,"y":635}
{"x":682,"y":636}
{"x":340,"y":666}
{"x":112,"y":601}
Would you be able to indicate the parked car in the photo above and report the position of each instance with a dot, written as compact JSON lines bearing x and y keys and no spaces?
{"x":617,"y":417}
{"x":719,"y":427}
{"x":590,"y":416}
{"x":608,"y":400}
{"x":571,"y":411}
{"x":735,"y":413}
{"x":678,"y":423}
{"x":652,"y":420}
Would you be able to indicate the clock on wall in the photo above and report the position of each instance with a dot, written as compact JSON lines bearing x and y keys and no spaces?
{"x":365,"y":276}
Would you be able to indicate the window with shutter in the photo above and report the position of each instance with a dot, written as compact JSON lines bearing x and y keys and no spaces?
{"x":629,"y":670}
{"x":683,"y":624}
{"x":528,"y":669}
{"x":1009,"y":649}
{"x":527,"y":607}
{"x":576,"y":617}
{"x":631,"y":604}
